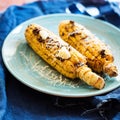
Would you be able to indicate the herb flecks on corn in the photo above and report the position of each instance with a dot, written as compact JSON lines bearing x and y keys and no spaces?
{"x":97,"y":53}
{"x":61,"y":56}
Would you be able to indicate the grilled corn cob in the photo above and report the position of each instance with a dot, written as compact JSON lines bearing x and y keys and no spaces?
{"x":98,"y":56}
{"x":61,"y":56}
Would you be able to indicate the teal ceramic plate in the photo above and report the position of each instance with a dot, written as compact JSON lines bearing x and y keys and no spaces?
{"x":31,"y":70}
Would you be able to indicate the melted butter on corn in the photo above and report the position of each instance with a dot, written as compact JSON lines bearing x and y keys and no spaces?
{"x":63,"y":53}
{"x":43,"y":34}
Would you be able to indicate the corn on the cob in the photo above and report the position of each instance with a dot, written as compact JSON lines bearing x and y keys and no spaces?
{"x":60,"y":55}
{"x":99,"y":57}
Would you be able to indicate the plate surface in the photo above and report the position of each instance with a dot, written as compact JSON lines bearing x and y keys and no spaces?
{"x":31,"y":70}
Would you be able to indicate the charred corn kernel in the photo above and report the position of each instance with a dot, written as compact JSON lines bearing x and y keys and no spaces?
{"x":99,"y":57}
{"x":61,"y":56}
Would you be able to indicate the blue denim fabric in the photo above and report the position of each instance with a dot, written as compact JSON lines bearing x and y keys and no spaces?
{"x":19,"y":102}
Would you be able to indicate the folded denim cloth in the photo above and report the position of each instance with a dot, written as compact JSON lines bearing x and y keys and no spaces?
{"x":19,"y":102}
